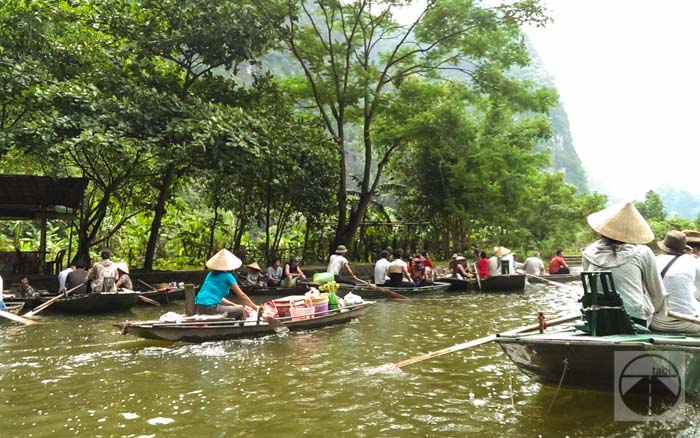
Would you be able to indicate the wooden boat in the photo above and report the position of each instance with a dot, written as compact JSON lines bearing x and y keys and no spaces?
{"x":370,"y":292}
{"x":14,"y":307}
{"x":275,"y":292}
{"x":585,"y":354}
{"x":559,"y":278}
{"x":163,"y":295}
{"x":498,"y":283}
{"x":579,"y":360}
{"x":223,"y":329}
{"x":95,"y":302}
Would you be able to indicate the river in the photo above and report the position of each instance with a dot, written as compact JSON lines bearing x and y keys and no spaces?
{"x":80,"y":376}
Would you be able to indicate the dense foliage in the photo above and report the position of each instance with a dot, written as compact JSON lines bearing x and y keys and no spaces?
{"x":191,"y":142}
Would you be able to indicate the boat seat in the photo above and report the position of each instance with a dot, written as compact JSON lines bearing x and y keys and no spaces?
{"x":602,"y":307}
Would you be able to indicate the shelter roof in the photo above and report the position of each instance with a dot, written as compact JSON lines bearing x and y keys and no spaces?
{"x":30,"y":197}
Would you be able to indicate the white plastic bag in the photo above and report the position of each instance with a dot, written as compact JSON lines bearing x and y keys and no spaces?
{"x":352,"y":300}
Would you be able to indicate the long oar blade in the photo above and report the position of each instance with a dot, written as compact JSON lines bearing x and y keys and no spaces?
{"x":452,"y":349}
{"x":16,"y":318}
{"x":484,"y":340}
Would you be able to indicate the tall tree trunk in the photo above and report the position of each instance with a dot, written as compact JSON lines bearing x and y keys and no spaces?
{"x":158,"y":217}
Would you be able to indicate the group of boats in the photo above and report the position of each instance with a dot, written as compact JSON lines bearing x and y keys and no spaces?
{"x":568,"y":355}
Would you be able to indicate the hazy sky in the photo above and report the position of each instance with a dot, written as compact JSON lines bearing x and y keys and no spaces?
{"x":627,"y":72}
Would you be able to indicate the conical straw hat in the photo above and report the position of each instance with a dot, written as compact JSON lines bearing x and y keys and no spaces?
{"x":254,"y":265}
{"x":224,"y":261}
{"x":623,"y":223}
{"x":122,"y":266}
{"x":500,"y":251}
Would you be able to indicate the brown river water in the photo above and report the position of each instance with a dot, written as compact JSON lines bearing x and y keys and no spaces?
{"x":80,"y":376}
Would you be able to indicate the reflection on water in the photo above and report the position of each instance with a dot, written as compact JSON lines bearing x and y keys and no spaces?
{"x":78,"y":375}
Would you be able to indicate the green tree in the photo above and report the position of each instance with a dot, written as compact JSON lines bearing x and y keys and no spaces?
{"x":355,"y":57}
{"x":652,"y":208}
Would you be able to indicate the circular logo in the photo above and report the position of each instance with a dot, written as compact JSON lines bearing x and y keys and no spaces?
{"x":650,"y":384}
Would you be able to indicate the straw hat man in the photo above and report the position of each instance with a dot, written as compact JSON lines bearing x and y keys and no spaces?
{"x":621,"y":251}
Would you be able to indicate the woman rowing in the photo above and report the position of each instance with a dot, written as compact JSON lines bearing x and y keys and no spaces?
{"x":218,"y":284}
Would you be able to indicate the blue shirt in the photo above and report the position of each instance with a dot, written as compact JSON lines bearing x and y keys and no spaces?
{"x":216,"y":286}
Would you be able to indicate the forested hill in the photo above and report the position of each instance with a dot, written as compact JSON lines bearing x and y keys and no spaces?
{"x":564,"y":156}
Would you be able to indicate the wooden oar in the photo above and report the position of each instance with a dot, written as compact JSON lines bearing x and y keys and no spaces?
{"x":16,"y":318}
{"x":484,"y":340}
{"x":553,"y":283}
{"x":385,"y":291}
{"x":145,"y":284}
{"x":478,"y":280}
{"x":683,"y":317}
{"x":46,"y":304}
{"x":148,"y":300}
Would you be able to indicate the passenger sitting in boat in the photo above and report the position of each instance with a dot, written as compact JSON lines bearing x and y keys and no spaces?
{"x":380,"y":267}
{"x":558,"y":265}
{"x":103,"y":274}
{"x":218,"y":284}
{"x":622,"y":251}
{"x":26,"y":290}
{"x":293,"y":273}
{"x":338,"y":264}
{"x":458,"y":268}
{"x":534,"y":264}
{"x":254,"y":277}
{"x":123,"y":279}
{"x":79,"y":277}
{"x":502,"y":262}
{"x":398,"y":271}
{"x":274,"y":273}
{"x":681,"y":276}
{"x":429,"y":266}
{"x":62,"y":277}
{"x":419,"y":275}
{"x":483,"y":265}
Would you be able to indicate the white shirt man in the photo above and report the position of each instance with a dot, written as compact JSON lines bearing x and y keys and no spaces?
{"x":380,"y":269}
{"x":534,"y":265}
{"x":62,"y":277}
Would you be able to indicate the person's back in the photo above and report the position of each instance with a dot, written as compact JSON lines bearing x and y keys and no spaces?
{"x":494,"y":268}
{"x":534,"y":265}
{"x":681,"y":277}
{"x":103,"y":274}
{"x":558,"y":265}
{"x":75,"y":278}
{"x":380,"y":268}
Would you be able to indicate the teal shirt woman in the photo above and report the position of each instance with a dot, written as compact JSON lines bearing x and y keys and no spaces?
{"x":218,"y":284}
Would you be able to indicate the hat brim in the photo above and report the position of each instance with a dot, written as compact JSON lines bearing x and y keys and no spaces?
{"x":224,"y":261}
{"x":664,"y":248}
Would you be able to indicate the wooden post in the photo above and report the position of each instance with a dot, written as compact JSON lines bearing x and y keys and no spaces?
{"x":189,"y":299}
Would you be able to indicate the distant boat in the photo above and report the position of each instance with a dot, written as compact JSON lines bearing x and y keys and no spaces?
{"x":497,"y":283}
{"x":559,"y":278}
{"x":372,"y":292}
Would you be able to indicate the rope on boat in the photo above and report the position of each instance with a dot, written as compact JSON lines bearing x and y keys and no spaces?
{"x":561,"y":380}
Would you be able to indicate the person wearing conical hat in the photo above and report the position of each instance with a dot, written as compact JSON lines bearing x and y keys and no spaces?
{"x":123,"y":279}
{"x":339,"y":264}
{"x":680,"y":272}
{"x":501,"y":261}
{"x":254,"y":277}
{"x":218,"y":283}
{"x":621,"y":250}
